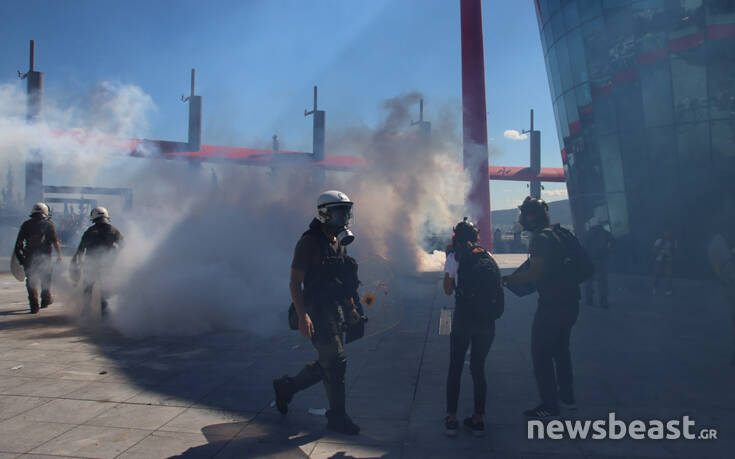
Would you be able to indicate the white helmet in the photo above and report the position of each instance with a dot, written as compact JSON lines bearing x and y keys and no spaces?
{"x":98,"y":213}
{"x":330,"y":199}
{"x":40,"y":208}
{"x":334,"y":209}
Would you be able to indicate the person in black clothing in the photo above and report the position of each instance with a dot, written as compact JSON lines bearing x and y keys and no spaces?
{"x":97,"y":251}
{"x":556,"y":314}
{"x":479,"y":299}
{"x":36,"y":238}
{"x":321,"y":264}
{"x":599,"y":243}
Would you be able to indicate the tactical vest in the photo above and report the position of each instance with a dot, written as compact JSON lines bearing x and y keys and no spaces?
{"x":334,"y":279}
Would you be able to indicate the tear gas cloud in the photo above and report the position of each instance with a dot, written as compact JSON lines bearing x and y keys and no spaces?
{"x":200,"y":256}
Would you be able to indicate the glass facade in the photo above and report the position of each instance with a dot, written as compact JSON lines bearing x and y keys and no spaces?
{"x":644,"y":99}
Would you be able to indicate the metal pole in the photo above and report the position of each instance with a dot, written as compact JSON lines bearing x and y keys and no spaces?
{"x":33,"y":56}
{"x":195,"y":118}
{"x":34,"y":164}
{"x":193,"y":78}
{"x":535,"y":160}
{"x":474,"y":120}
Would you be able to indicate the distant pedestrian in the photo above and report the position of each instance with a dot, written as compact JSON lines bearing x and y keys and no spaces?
{"x":599,"y":244}
{"x":663,"y":251}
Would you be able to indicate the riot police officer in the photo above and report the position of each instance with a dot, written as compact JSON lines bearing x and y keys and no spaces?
{"x":33,"y":246}
{"x":329,"y":281}
{"x":97,"y":251}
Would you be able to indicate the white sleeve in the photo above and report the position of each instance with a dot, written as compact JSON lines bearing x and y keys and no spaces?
{"x":450,"y":266}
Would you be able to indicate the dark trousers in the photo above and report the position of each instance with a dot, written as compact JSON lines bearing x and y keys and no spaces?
{"x":88,"y":287}
{"x":479,"y":344}
{"x":600,"y":280}
{"x":552,"y":364}
{"x":38,"y":271}
{"x":330,"y":368}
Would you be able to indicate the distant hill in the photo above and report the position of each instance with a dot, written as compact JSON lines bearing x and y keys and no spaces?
{"x":559,"y":210}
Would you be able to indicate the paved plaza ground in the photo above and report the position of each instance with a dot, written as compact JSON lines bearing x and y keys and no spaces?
{"x":74,"y":391}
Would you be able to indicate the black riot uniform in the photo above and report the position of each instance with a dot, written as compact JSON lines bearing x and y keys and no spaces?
{"x":33,"y":246}
{"x":99,"y":247}
{"x":329,"y":283}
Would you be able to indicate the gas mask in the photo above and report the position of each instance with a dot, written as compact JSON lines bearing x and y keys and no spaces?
{"x":338,"y":219}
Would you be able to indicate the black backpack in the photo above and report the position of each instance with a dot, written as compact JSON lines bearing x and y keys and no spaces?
{"x":576,"y":264}
{"x":480,"y":286}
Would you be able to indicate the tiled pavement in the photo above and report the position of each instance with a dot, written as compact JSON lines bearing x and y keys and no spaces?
{"x":84,"y":392}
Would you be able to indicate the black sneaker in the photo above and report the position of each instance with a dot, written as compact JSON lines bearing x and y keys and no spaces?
{"x":451,"y":426}
{"x":542,"y":412}
{"x":34,"y":309}
{"x":477,"y":428}
{"x":570,"y":404}
{"x":342,"y":424}
{"x":284,"y":394}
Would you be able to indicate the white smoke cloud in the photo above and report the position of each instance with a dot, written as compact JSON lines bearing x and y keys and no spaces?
{"x":512,"y":134}
{"x":200,"y":258}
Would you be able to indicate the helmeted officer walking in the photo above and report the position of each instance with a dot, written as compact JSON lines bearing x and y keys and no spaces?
{"x":33,"y":247}
{"x":321,"y":264}
{"x":96,"y":254}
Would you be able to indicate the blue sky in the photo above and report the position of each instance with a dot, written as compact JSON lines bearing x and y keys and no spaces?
{"x":257,"y":61}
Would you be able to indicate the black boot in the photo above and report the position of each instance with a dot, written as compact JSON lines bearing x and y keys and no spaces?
{"x":341,"y":423}
{"x":46,"y":299}
{"x":283,"y":387}
{"x":33,"y":299}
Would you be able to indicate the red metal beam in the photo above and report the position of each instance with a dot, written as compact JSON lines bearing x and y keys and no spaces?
{"x":525,"y":174}
{"x":164,"y":149}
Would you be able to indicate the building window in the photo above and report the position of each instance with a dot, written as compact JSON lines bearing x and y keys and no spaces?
{"x":548,"y":36}
{"x":554,"y":66}
{"x":693,"y":145}
{"x":629,"y":106}
{"x":723,"y":138}
{"x":589,"y":9}
{"x":720,"y":12}
{"x":612,"y":168}
{"x":605,"y":119}
{"x":662,"y":159}
{"x":721,"y":76}
{"x":565,"y":66}
{"x":571,"y":15}
{"x":577,"y":57}
{"x":689,"y":81}
{"x":557,"y":25}
{"x":598,"y":60}
{"x":658,"y":105}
